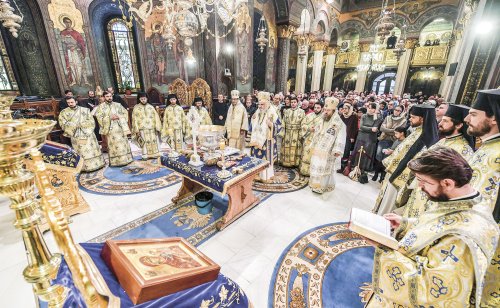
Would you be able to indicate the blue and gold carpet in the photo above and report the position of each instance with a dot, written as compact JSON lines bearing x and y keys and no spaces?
{"x":137,"y":177}
{"x":328,"y":266}
{"x":179,"y":219}
{"x":285,"y":180}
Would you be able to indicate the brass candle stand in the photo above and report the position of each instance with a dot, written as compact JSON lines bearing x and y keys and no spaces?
{"x":17,"y":138}
{"x":59,"y":225}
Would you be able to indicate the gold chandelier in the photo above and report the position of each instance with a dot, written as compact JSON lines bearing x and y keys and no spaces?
{"x":186,"y":18}
{"x":8,"y":18}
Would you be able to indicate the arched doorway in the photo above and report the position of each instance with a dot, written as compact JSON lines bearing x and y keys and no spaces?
{"x":384,"y":83}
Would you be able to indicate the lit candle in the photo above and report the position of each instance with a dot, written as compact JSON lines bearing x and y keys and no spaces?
{"x":222,"y":144}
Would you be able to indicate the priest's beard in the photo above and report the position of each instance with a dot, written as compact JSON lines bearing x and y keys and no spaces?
{"x":480,"y":130}
{"x":447,"y":132}
{"x":439,"y":197}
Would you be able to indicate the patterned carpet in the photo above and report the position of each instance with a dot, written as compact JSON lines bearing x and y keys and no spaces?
{"x":181,"y":219}
{"x":328,"y":266}
{"x":285,"y":180}
{"x":137,"y":177}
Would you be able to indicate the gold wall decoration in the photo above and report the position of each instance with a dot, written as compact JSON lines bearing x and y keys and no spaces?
{"x":200,"y":88}
{"x":347,"y":59}
{"x":430,"y":55}
{"x":154,"y":23}
{"x":243,"y":19}
{"x":319,"y":46}
{"x":59,"y":9}
{"x":186,"y":93}
{"x":180,"y":88}
{"x":286,"y":31}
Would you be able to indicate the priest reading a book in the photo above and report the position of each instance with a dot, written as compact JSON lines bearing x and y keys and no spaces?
{"x":447,"y":257}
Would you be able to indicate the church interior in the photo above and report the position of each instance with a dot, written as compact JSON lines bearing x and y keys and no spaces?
{"x":249,"y":153}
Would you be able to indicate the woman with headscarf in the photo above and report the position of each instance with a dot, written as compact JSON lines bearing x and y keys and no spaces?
{"x":386,"y":138}
{"x":350,"y":120}
{"x":146,"y":125}
{"x":367,"y":137}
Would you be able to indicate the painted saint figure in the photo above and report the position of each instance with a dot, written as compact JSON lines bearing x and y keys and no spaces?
{"x":74,"y":49}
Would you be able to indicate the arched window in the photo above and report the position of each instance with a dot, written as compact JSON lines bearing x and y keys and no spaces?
{"x":7,"y":80}
{"x":121,"y":42}
{"x":384,"y":83}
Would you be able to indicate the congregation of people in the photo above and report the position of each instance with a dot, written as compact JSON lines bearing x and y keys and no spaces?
{"x":437,"y":162}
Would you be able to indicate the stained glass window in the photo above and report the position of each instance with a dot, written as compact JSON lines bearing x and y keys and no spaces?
{"x":7,"y":80}
{"x":124,"y":56}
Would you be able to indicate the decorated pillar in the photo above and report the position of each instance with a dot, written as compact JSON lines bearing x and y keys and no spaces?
{"x":318,"y":50}
{"x":330,"y":66}
{"x":303,"y":42}
{"x":360,"y":82}
{"x":285,"y":33}
{"x":477,"y":54}
{"x":404,"y":66}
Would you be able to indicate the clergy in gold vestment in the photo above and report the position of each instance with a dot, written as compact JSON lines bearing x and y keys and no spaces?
{"x":175,"y":127}
{"x":113,"y":123}
{"x":310,"y":123}
{"x":454,"y":129}
{"x":394,"y":189}
{"x":236,"y":122}
{"x":444,"y":257}
{"x":291,"y":147}
{"x":265,"y":128}
{"x":78,"y":124}
{"x":484,"y":123}
{"x":202,"y":111}
{"x":146,"y":126}
{"x":327,"y":148}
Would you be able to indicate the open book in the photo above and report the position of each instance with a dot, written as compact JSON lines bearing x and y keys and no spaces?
{"x":373,"y":227}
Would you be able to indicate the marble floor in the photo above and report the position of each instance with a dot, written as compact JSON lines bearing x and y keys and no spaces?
{"x":247,"y":250}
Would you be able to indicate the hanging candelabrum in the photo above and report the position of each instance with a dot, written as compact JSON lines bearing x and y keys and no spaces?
{"x":399,"y":49}
{"x":8,"y":18}
{"x":17,"y":139}
{"x":262,"y":39}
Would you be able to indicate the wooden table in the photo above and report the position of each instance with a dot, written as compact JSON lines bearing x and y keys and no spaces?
{"x":238,"y":187}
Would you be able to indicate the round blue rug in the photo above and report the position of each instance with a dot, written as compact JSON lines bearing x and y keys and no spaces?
{"x":328,"y":266}
{"x":285,"y":180}
{"x":137,"y":177}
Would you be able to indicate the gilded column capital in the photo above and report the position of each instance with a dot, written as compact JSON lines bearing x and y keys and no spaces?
{"x":319,"y":46}
{"x":304,"y":39}
{"x":286,"y":31}
{"x":332,"y":50}
{"x":364,"y":47}
{"x":411,"y":43}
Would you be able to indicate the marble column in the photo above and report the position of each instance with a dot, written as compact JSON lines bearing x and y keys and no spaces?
{"x":330,"y":66}
{"x":285,"y":33}
{"x":303,"y":42}
{"x":360,"y":82}
{"x":318,"y":48}
{"x":404,"y":67}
